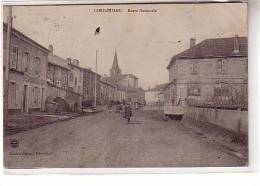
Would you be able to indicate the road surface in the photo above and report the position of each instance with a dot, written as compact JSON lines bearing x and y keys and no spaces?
{"x":105,"y":140}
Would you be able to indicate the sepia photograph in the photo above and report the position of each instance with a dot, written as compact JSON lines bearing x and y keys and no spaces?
{"x":125,"y":85}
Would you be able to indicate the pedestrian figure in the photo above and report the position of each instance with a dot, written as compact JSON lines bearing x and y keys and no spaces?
{"x":118,"y":108}
{"x":128,"y":112}
{"x":110,"y":107}
{"x":136,"y":105}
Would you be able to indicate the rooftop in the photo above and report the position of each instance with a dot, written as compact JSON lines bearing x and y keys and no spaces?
{"x":15,"y":31}
{"x":214,"y":48}
{"x":58,"y":61}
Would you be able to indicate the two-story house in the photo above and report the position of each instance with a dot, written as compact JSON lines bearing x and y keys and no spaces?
{"x":27,"y":72}
{"x":213,"y":72}
{"x":64,"y":82}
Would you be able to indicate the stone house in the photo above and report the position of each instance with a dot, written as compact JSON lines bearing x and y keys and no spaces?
{"x":213,"y":72}
{"x":27,"y":72}
{"x":58,"y":91}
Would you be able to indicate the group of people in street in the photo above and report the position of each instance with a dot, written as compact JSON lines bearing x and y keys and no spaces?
{"x":124,"y":108}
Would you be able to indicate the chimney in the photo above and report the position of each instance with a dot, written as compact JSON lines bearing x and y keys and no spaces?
{"x":69,"y":60}
{"x":51,"y":49}
{"x":236,"y":44}
{"x":192,"y":42}
{"x":75,"y":62}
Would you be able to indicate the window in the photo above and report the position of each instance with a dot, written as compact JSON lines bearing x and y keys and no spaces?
{"x":36,"y":95}
{"x":222,"y":90}
{"x":221,"y":66}
{"x":14,"y":57}
{"x":12,"y":93}
{"x":194,"y":89}
{"x":195,"y":67}
{"x":64,"y":77}
{"x":71,"y":76}
{"x":37,"y":63}
{"x":80,"y":76}
{"x":76,"y":82}
{"x":246,"y":66}
{"x":26,"y":61}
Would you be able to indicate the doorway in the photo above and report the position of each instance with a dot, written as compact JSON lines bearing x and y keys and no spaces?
{"x":25,"y":98}
{"x":42,"y":100}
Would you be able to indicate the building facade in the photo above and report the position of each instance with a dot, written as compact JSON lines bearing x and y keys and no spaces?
{"x":213,"y":72}
{"x":107,"y":92}
{"x":89,"y":87}
{"x":153,"y":95}
{"x":66,"y":96}
{"x":27,"y":73}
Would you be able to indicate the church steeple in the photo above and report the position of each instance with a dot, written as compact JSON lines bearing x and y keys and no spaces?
{"x":115,"y":70}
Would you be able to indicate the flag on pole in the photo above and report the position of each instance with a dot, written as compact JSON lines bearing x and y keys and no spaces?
{"x":97,"y":31}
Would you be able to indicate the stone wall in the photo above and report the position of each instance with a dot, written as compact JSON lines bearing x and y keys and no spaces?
{"x":70,"y":97}
{"x":234,"y":120}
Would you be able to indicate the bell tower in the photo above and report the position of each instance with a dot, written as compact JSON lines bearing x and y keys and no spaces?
{"x":115,"y":70}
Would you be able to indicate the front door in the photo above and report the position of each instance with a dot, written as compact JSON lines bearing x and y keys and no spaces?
{"x":42,"y":100}
{"x":25,"y":104}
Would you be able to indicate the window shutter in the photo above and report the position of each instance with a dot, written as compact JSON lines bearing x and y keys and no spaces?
{"x":14,"y":57}
{"x":16,"y":93}
{"x":225,"y":66}
{"x":219,"y":66}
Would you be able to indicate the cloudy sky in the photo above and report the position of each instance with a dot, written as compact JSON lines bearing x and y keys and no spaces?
{"x":145,"y":42}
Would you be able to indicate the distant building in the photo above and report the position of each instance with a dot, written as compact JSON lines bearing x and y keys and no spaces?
{"x":127,"y":84}
{"x":153,"y":95}
{"x":213,"y":72}
{"x":27,"y":73}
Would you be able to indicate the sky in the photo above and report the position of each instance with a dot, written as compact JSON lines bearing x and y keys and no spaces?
{"x":145,"y":42}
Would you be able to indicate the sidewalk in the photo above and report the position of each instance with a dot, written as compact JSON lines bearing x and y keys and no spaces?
{"x":236,"y":144}
{"x":24,"y":121}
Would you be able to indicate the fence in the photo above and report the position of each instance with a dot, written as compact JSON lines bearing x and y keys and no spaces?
{"x":223,"y":98}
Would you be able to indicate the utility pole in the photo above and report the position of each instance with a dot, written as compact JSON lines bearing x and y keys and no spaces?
{"x":7,"y":64}
{"x":97,"y":31}
{"x":95,"y":96}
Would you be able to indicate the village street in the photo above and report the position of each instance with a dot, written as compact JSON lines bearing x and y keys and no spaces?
{"x":105,"y":140}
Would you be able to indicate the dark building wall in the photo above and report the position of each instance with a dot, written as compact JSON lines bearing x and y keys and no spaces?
{"x":89,"y":86}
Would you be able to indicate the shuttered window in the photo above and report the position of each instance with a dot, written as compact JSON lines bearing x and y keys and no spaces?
{"x":37,"y":65}
{"x":12,"y":90}
{"x":221,"y":66}
{"x":14,"y":57}
{"x":26,"y":61}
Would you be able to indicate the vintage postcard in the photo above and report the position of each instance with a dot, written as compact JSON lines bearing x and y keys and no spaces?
{"x":148,"y":85}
